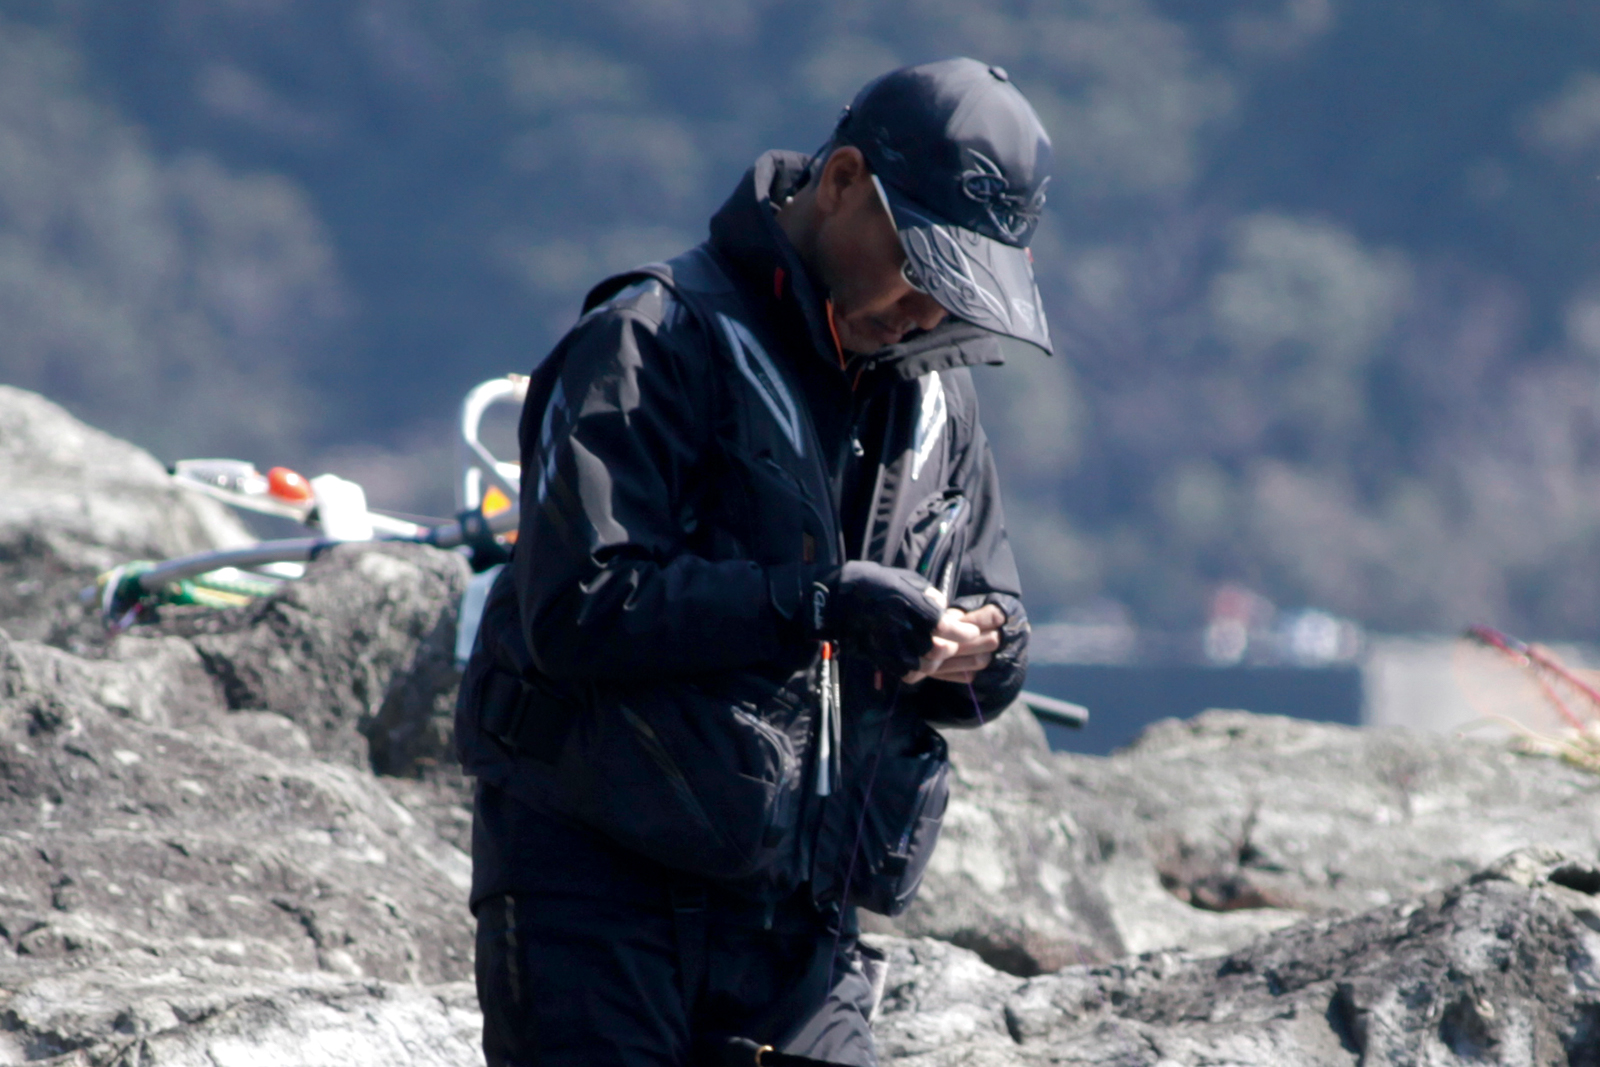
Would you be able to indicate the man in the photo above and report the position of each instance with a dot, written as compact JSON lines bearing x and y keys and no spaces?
{"x":761,"y":550}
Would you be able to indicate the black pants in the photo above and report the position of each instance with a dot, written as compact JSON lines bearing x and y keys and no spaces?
{"x":569,"y":979}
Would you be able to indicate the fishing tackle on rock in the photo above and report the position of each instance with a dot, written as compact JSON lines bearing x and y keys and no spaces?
{"x":484,"y":526}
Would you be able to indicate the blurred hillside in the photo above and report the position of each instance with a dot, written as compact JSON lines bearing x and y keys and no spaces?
{"x":1323,"y":273}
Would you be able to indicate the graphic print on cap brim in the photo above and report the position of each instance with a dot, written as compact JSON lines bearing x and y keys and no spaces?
{"x":973,"y":277}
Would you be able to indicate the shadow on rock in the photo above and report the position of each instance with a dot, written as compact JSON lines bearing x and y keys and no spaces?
{"x":360,"y":653}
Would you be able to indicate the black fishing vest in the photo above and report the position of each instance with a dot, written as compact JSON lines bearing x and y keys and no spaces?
{"x":717,"y":777}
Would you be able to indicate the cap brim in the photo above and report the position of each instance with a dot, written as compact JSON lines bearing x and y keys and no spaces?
{"x":975,"y":278}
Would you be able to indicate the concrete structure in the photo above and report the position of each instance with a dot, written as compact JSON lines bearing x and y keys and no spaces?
{"x":1450,"y":685}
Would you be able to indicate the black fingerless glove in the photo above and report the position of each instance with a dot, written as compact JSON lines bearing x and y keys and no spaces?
{"x":882,"y":613}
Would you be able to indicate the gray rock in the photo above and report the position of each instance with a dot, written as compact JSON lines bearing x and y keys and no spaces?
{"x":130,"y":1008}
{"x":1502,"y":969}
{"x":1016,"y":874}
{"x":119,"y":833}
{"x":1244,"y":812}
{"x":360,"y":653}
{"x":198,"y":864}
{"x":75,"y":502}
{"x":1210,"y":832}
{"x":440,"y":799}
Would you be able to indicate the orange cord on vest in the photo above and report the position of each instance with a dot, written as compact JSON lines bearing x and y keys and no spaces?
{"x":834,"y":330}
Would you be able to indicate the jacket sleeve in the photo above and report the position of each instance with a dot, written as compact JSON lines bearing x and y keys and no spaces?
{"x":988,"y":575}
{"x":607,"y":586}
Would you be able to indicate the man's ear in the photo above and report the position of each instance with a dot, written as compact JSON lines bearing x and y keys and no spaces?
{"x":845,"y":167}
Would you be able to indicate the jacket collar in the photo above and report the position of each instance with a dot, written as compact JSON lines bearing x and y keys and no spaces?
{"x":746,"y":233}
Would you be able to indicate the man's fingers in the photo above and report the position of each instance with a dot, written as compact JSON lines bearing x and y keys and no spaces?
{"x":986,"y":642}
{"x":942,"y":649}
{"x":943,"y":674}
{"x":962,"y":665}
{"x":964,"y":643}
{"x":960,"y":669}
{"x":989,"y":617}
{"x":969,"y":640}
{"x":953,"y":626}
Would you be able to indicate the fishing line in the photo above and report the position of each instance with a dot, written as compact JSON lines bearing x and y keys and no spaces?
{"x":861,"y":827}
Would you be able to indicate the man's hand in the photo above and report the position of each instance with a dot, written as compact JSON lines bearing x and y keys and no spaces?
{"x":964,"y":643}
{"x":888,"y":615}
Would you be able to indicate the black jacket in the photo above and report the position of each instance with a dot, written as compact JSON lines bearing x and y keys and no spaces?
{"x":669,"y":491}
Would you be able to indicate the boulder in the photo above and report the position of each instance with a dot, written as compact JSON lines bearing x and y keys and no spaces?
{"x":1209,"y":832}
{"x":75,"y":502}
{"x":360,"y":653}
{"x":1016,"y":874}
{"x":1244,"y":813}
{"x":1499,"y":969}
{"x":131,"y":1008}
{"x":121,"y":831}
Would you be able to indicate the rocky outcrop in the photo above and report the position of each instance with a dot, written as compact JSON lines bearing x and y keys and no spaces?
{"x":1499,"y":969}
{"x":1241,"y":813}
{"x":202,"y":790}
{"x":1017,"y":873}
{"x":118,"y":833}
{"x":1502,"y":969}
{"x":239,"y":835}
{"x":131,"y":1009}
{"x":360,"y":654}
{"x":75,"y":502}
{"x":1210,"y":832}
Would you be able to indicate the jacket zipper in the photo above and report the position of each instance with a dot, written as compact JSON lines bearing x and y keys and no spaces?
{"x":829,"y":716}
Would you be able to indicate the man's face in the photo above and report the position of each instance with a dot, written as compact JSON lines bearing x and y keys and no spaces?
{"x":860,"y":259}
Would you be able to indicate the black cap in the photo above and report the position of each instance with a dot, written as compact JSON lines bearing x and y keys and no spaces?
{"x":962,"y":161}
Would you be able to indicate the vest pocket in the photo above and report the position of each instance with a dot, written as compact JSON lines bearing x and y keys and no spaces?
{"x":784,"y":522}
{"x":888,"y":820}
{"x":935,"y":537}
{"x":699,"y":782}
